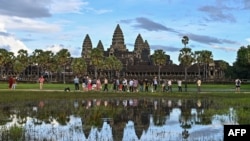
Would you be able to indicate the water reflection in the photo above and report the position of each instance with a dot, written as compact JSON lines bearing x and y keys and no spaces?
{"x":118,"y":119}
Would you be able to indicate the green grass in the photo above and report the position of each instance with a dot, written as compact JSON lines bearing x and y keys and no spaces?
{"x":30,"y":91}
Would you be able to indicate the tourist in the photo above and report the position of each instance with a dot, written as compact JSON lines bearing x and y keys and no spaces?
{"x":14,"y":83}
{"x":147,"y":84}
{"x":131,"y":82}
{"x":163,"y":85}
{"x":141,"y":85}
{"x":169,"y":85}
{"x":89,"y":85}
{"x":124,"y":84}
{"x":198,"y":85}
{"x":179,"y":83}
{"x":105,"y":84}
{"x":135,"y":85}
{"x":84,"y":83}
{"x":237,"y":85}
{"x":98,"y":85}
{"x":10,"y":82}
{"x":117,"y":83}
{"x":155,"y":83}
{"x":76,"y":83}
{"x":41,"y":81}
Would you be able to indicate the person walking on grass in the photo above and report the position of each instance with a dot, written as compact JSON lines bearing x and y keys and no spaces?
{"x":10,"y":82}
{"x":198,"y":85}
{"x":41,"y":81}
{"x":14,"y":83}
{"x":237,"y":85}
{"x":76,"y":83}
{"x":179,"y":85}
{"x":105,"y":84}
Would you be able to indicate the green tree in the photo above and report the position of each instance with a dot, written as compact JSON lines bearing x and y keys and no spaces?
{"x":159,"y":59}
{"x":63,"y":58}
{"x":207,"y":58}
{"x":3,"y":59}
{"x":242,"y":64}
{"x":96,"y":59}
{"x":185,"y":41}
{"x":23,"y":59}
{"x":186,"y":58}
{"x":79,"y":66}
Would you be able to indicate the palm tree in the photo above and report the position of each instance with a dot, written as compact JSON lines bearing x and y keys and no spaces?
{"x":223,"y":65}
{"x":198,"y":60}
{"x":62,"y":58}
{"x":186,"y":58}
{"x":96,"y":59}
{"x":37,"y":59}
{"x":18,"y":67}
{"x":22,"y":57}
{"x":10,"y":57}
{"x":117,"y":65}
{"x":79,"y":66}
{"x":3,"y":57}
{"x":159,"y":59}
{"x":207,"y":58}
{"x":185,"y":40}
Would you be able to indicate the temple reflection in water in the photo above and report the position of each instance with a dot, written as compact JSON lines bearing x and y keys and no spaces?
{"x":120,"y":119}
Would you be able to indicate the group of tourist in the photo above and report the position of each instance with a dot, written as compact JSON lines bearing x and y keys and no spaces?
{"x":124,"y":85}
{"x":128,"y":85}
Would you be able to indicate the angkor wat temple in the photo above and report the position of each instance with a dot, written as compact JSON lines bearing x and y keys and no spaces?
{"x":138,"y":63}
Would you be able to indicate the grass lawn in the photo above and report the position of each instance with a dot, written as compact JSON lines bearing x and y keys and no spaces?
{"x":31,"y":91}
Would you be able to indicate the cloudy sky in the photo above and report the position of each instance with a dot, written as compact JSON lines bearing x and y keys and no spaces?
{"x":220,"y":26}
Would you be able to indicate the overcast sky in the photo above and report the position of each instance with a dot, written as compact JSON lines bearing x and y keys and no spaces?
{"x":220,"y":26}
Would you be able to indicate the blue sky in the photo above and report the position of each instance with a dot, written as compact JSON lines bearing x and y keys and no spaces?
{"x":220,"y":26}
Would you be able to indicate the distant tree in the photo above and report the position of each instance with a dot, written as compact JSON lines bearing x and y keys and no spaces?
{"x":63,"y":58}
{"x":186,"y":58}
{"x":159,"y":59}
{"x":96,"y":59}
{"x":79,"y":66}
{"x":242,"y":64}
{"x":207,"y":58}
{"x":185,"y":40}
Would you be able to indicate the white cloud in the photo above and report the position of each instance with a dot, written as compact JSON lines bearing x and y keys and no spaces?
{"x":67,"y":6}
{"x":227,"y":49}
{"x":11,"y":44}
{"x":25,"y":24}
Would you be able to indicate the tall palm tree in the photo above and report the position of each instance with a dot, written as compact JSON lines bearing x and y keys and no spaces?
{"x":185,"y":40}
{"x":96,"y":59}
{"x":62,"y":57}
{"x":198,"y":60}
{"x":223,"y":65}
{"x":117,"y":65}
{"x":186,"y":58}
{"x":23,"y":58}
{"x":37,"y":59}
{"x":79,"y":66}
{"x":3,"y":57}
{"x":10,"y":57}
{"x":207,"y":58}
{"x":159,"y":59}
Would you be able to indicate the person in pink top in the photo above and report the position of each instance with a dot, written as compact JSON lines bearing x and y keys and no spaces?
{"x":41,"y":81}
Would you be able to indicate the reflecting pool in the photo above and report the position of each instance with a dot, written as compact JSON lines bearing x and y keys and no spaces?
{"x":117,"y":119}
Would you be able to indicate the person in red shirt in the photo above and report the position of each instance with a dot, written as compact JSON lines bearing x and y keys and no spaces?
{"x":10,"y":82}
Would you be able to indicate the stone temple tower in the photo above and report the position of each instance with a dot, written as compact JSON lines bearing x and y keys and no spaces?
{"x":86,"y":47}
{"x":118,"y":40}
